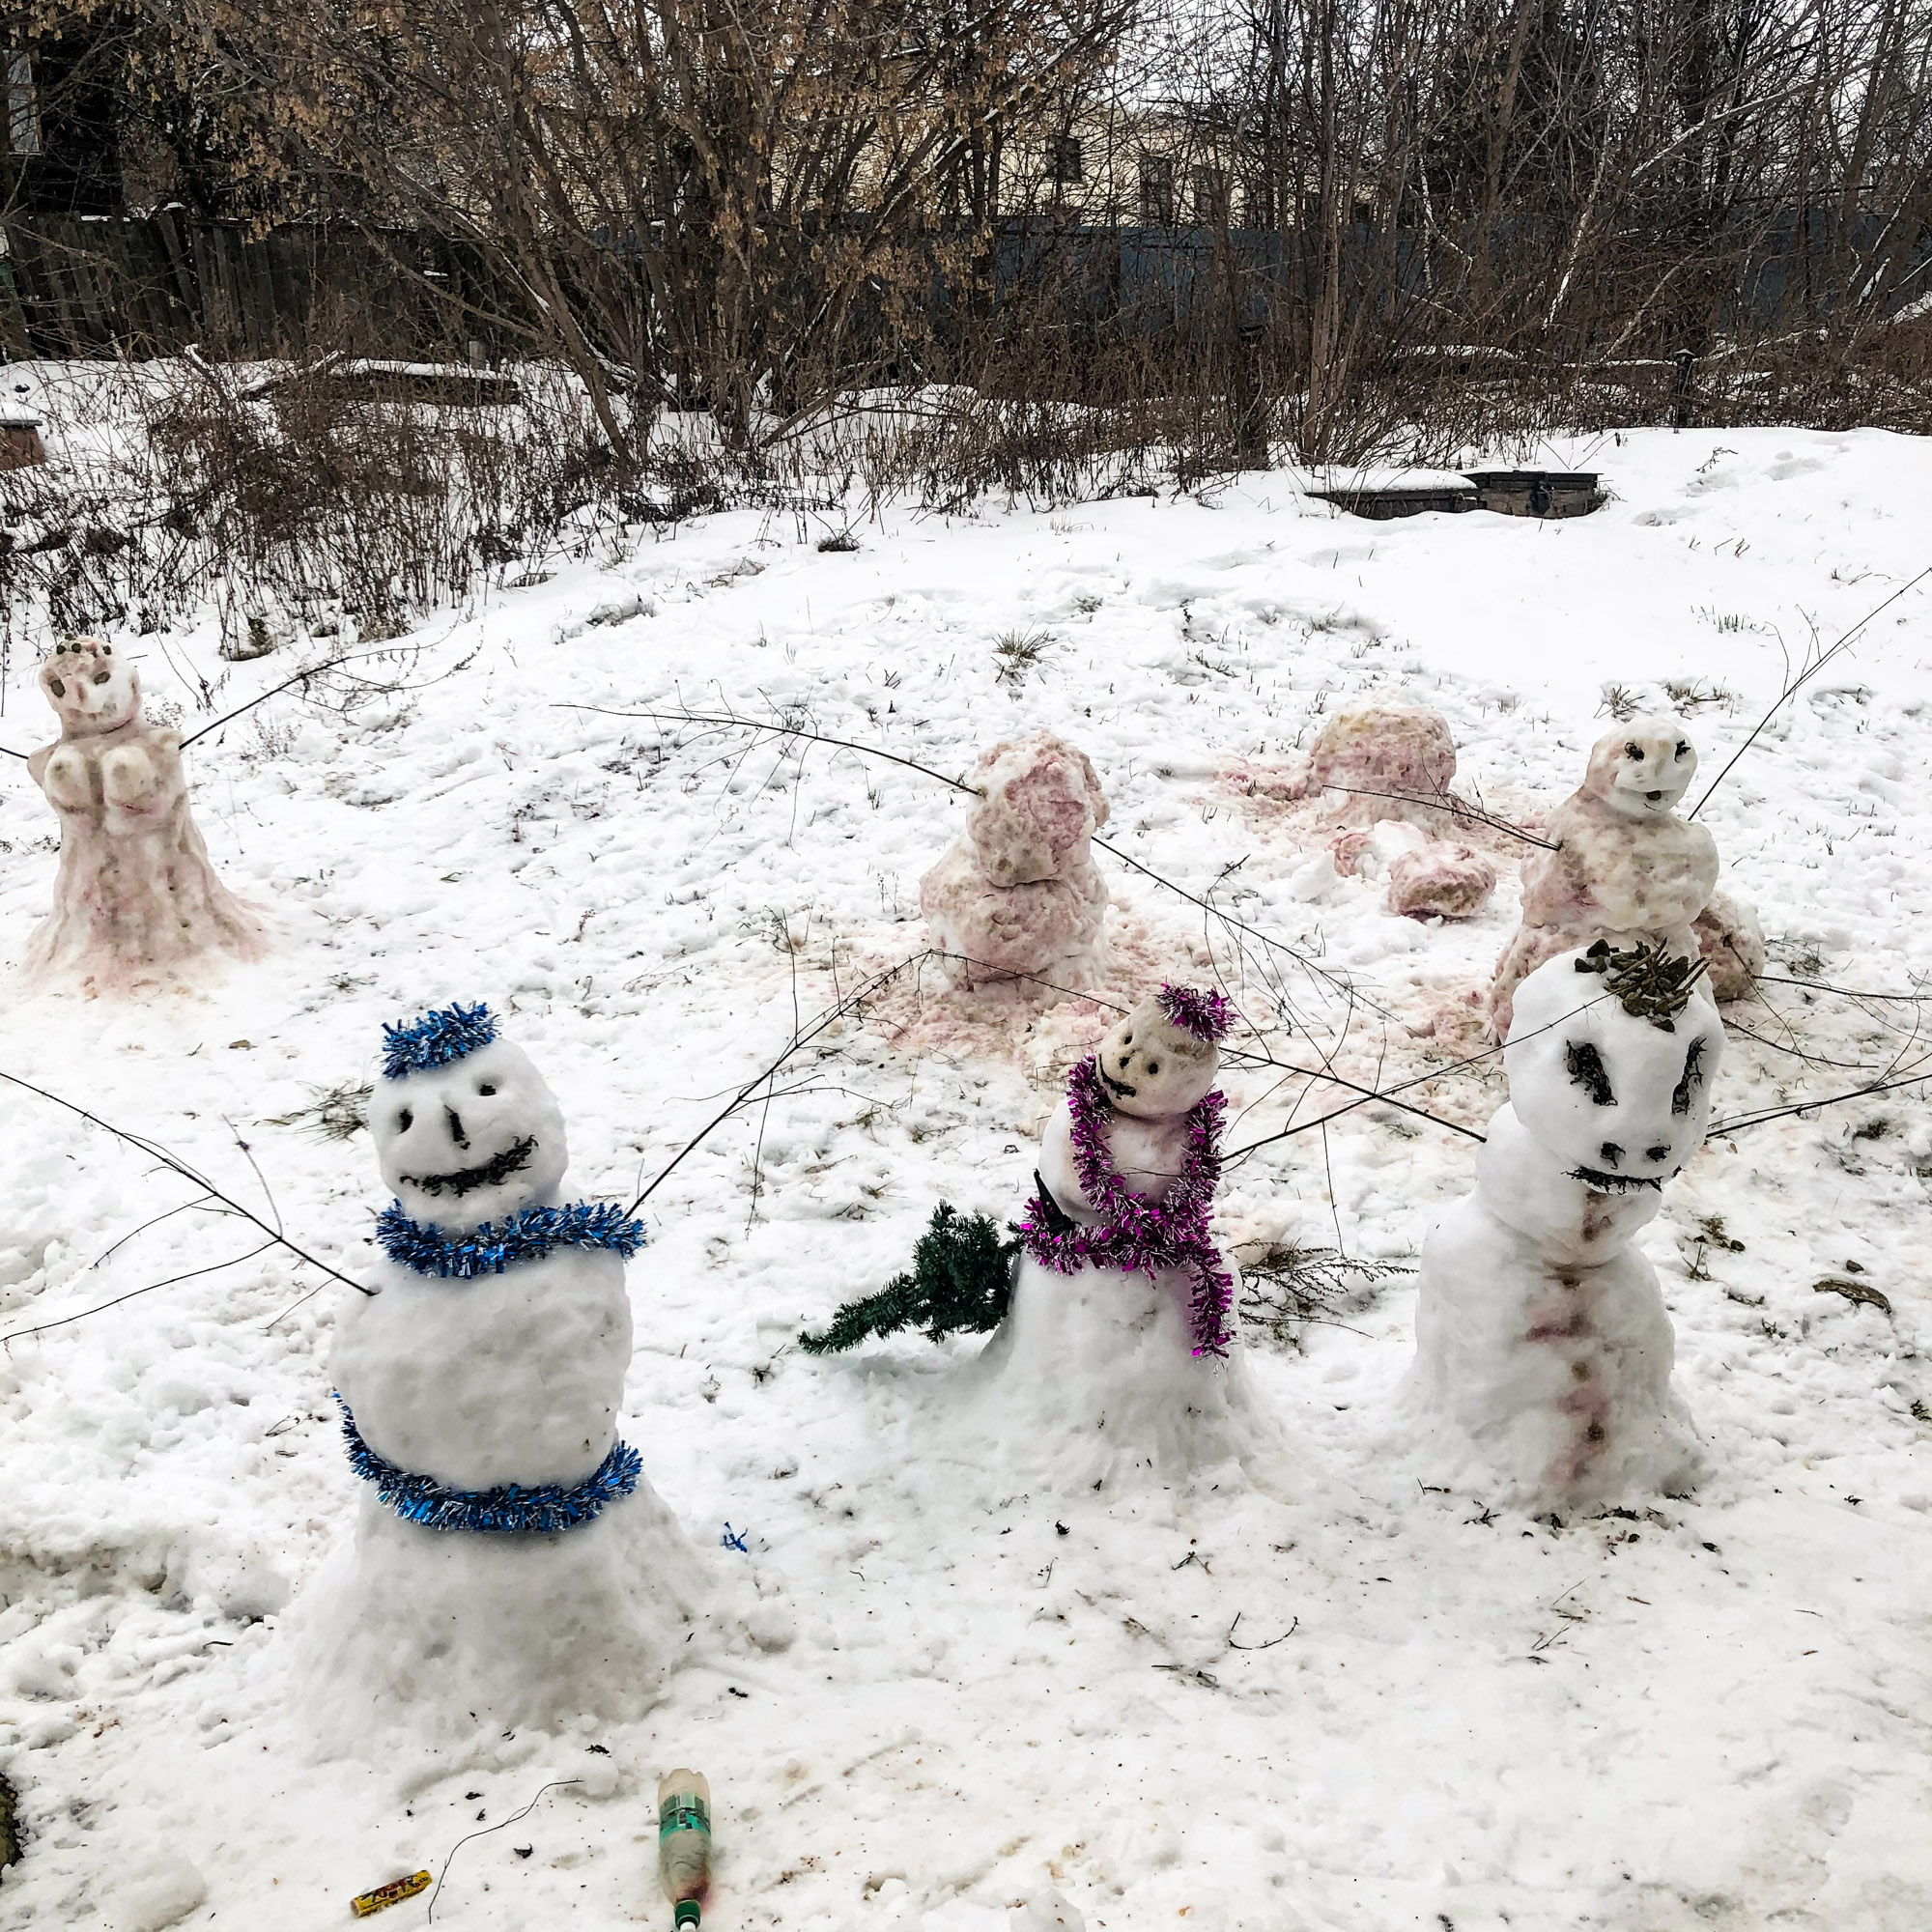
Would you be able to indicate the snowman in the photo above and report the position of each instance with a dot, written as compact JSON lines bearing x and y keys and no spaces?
{"x":137,"y":906}
{"x":1543,"y":1352}
{"x":1622,"y":866}
{"x":510,"y":1564}
{"x":1117,"y":1356}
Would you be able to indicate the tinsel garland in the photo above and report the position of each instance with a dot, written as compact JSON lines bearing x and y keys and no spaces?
{"x":434,"y":1041}
{"x":1141,"y":1237}
{"x":509,"y":1511}
{"x":1207,"y":1015}
{"x":526,"y":1237}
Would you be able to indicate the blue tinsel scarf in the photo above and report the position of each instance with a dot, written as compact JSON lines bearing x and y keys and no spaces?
{"x":526,"y":1237}
{"x":509,"y":1511}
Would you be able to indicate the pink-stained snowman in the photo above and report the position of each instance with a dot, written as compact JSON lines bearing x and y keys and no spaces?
{"x":1543,"y":1352}
{"x":137,"y":907}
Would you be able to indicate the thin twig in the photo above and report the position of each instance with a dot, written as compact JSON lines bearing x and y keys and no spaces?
{"x":174,"y":1163}
{"x":485,"y":1833}
{"x":1796,"y":683}
{"x":799,"y":1039}
{"x":782,"y":730}
{"x":1457,"y":808}
{"x":313,"y":670}
{"x":213,"y":1267}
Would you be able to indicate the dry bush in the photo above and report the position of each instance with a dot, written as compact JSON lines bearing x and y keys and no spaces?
{"x":304,"y":508}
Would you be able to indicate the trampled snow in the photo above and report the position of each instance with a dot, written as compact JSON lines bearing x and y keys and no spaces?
{"x":925,"y":1700}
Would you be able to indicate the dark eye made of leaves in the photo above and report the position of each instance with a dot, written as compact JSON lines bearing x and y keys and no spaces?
{"x":1694,"y":1071}
{"x":1588,"y":1071}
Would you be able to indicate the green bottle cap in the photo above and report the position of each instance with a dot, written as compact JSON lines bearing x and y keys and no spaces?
{"x":686,"y":1914}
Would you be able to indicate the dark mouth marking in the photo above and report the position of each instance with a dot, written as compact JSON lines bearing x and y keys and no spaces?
{"x":1113,"y":1086}
{"x":1600,"y":1182}
{"x":512,"y":1160}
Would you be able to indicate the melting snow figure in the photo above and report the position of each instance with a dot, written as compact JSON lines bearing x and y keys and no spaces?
{"x":1543,"y":1352}
{"x":1019,"y":893}
{"x":510,"y":1559}
{"x":136,"y":902}
{"x":1117,"y":1352}
{"x":1625,"y":868}
{"x":1732,"y":943}
{"x":1392,"y":766}
{"x":1386,"y":762}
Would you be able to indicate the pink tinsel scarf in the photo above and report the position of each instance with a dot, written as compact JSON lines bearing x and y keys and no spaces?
{"x":1141,"y":1237}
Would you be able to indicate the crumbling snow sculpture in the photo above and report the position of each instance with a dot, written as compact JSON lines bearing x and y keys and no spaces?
{"x":1732,"y":943}
{"x":1440,"y":878}
{"x":1386,"y":762}
{"x":136,"y":902}
{"x":1019,"y":895}
{"x":1625,"y":868}
{"x":1118,"y":1350}
{"x":511,"y":1563}
{"x":1392,"y":766}
{"x":1543,"y":1350}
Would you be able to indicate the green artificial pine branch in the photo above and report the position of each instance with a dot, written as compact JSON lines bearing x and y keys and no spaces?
{"x":961,"y":1281}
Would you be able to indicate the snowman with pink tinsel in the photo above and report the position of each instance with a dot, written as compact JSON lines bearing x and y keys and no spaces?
{"x":1117,"y":1354}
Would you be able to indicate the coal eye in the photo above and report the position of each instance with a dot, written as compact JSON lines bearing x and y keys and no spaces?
{"x":1694,"y":1071}
{"x":486,"y":1088}
{"x":1588,"y":1071}
{"x":1126,"y":1040}
{"x":1683,"y":748}
{"x":1154,"y":1067}
{"x":405,"y":1121}
{"x":1635,"y":751}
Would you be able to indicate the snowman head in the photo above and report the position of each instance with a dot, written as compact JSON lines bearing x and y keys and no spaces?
{"x":1643,"y":768}
{"x":1041,"y":801}
{"x":1610,"y":1059}
{"x":466,"y":1131}
{"x":91,"y":687}
{"x":1162,"y":1058}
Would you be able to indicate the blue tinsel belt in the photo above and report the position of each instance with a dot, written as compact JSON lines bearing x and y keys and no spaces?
{"x":509,"y":1511}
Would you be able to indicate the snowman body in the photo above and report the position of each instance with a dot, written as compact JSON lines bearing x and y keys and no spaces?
{"x":493,"y":1355}
{"x":1094,"y":1377}
{"x":1543,"y":1372}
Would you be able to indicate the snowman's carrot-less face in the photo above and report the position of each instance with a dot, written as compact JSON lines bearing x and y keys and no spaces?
{"x":93,"y":689}
{"x":1642,"y":769}
{"x":1152,"y":1068}
{"x":472,"y":1140}
{"x":1622,"y":1101}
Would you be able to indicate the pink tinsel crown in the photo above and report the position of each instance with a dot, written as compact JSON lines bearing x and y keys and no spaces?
{"x":1207,"y":1015}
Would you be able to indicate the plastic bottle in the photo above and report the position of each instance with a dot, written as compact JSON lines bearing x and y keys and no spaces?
{"x":684,"y":1842}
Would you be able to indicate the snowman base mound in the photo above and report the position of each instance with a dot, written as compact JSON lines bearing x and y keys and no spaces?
{"x":1091,"y":1384}
{"x":587,"y":1622}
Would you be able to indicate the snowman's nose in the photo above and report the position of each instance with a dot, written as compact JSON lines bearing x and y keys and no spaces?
{"x":456,"y":1132}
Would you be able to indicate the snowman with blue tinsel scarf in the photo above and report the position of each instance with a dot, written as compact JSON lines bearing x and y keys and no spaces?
{"x":510,"y":1562}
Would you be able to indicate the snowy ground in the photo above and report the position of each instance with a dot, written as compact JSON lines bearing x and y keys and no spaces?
{"x":922,"y":1702}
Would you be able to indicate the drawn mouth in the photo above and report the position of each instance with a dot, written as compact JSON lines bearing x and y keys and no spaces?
{"x":1600,"y":1182}
{"x":1113,"y":1086}
{"x":465,"y":1180}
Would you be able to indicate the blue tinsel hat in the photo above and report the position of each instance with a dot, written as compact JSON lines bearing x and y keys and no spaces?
{"x":439,"y":1037}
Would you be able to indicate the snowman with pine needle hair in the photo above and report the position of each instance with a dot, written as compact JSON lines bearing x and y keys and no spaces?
{"x":510,"y":1563}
